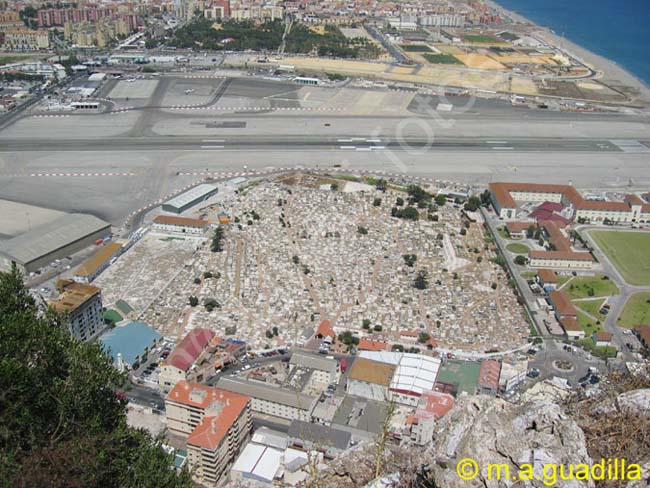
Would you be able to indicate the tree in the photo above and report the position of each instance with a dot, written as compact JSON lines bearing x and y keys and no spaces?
{"x":210,"y":304}
{"x":366,"y":323}
{"x":362,"y":230}
{"x":440,"y":200}
{"x":376,"y":202}
{"x":377,"y":328}
{"x":295,"y":259}
{"x":197,"y":281}
{"x":463,"y":231}
{"x":472,"y":204}
{"x":421,"y":280}
{"x":520,"y":260}
{"x":193,"y":301}
{"x":423,"y":337}
{"x":530,"y":232}
{"x":410,"y":259}
{"x":276,"y":332}
{"x":399,"y":202}
{"x":381,"y":184}
{"x":62,"y":412}
{"x":207,"y":274}
{"x":217,"y":245}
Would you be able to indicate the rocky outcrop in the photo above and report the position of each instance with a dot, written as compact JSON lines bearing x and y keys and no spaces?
{"x":492,"y":431}
{"x":634,"y":401}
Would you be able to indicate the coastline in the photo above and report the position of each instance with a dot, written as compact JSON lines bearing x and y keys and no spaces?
{"x":613,"y":74}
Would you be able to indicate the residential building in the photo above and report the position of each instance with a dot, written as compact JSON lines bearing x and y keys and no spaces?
{"x":180,"y":225}
{"x":513,"y":374}
{"x":432,"y":406}
{"x":25,"y":39}
{"x":215,"y":423}
{"x":572,"y":328}
{"x":81,"y":305}
{"x":272,"y":400}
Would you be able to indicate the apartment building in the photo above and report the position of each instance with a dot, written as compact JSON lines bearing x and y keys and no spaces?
{"x":24,"y":39}
{"x":271,"y":399}
{"x":81,"y":304}
{"x":215,"y":423}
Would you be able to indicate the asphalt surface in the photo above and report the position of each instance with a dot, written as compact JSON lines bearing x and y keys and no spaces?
{"x":302,"y":143}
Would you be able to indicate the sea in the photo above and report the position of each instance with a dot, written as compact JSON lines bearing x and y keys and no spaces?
{"x":618,"y":30}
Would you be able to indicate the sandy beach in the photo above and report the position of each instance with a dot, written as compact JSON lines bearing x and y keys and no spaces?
{"x":613,"y":75}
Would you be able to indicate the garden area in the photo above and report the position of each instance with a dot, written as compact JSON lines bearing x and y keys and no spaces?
{"x":636,"y":311}
{"x":518,"y":248}
{"x":591,"y":286}
{"x":415,"y":48}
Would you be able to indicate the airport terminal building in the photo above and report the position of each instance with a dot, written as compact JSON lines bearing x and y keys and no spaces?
{"x":55,"y":240}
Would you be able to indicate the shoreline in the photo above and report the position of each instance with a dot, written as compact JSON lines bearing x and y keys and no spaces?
{"x":612,"y":73}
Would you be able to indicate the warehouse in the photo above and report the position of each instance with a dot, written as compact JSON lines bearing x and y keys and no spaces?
{"x":188,"y":199}
{"x":54,"y":240}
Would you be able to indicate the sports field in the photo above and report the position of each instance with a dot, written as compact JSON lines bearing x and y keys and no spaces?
{"x":628,"y":251}
{"x":441,"y":59}
{"x":416,"y":48}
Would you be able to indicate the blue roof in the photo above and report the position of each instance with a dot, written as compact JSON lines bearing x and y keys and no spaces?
{"x":130,"y":340}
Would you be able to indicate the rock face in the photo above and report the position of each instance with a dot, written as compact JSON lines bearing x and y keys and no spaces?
{"x":492,"y":431}
{"x":635,"y":401}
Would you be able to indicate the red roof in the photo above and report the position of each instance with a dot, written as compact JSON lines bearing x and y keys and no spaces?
{"x":489,"y":374}
{"x":550,"y":206}
{"x":602,"y":336}
{"x":182,"y":221}
{"x":516,"y":227}
{"x":562,"y":303}
{"x":325,"y":329}
{"x":643,"y":332}
{"x":547,"y":275}
{"x":186,"y":352}
{"x":570,"y":324}
{"x":561,"y":255}
{"x":433,"y":404}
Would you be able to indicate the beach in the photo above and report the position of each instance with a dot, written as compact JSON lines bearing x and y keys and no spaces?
{"x":612,"y":74}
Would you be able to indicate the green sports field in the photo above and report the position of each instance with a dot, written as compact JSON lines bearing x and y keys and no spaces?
{"x":628,"y":251}
{"x":416,"y":48}
{"x":441,"y":59}
{"x":636,"y":311}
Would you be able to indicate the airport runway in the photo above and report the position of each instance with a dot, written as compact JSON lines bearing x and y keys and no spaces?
{"x":342,"y":143}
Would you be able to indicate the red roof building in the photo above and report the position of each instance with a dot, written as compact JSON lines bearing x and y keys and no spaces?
{"x":372,"y":345}
{"x":325,"y":329}
{"x":488,"y":376}
{"x":186,"y":352}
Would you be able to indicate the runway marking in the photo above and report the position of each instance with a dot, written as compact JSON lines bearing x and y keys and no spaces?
{"x":70,"y":175}
{"x":503,"y":148}
{"x":214,"y":140}
{"x":212,"y":147}
{"x":496,"y":142}
{"x":347,"y":147}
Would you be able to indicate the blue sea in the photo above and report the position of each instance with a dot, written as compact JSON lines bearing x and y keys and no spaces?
{"x":616,"y":29}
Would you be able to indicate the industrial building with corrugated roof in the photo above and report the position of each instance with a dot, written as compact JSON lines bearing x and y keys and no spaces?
{"x":188,"y":199}
{"x":54,"y":240}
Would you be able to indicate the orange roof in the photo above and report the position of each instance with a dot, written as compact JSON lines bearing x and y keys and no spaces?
{"x":222,"y":409}
{"x":602,"y":336}
{"x":570,"y":324}
{"x":372,"y":345}
{"x":433,"y":404}
{"x":633,"y":200}
{"x":182,"y":221}
{"x":555,"y":236}
{"x":408,"y":333}
{"x":90,"y":265}
{"x":371,"y":371}
{"x":73,"y":295}
{"x":547,"y":275}
{"x":562,"y":303}
{"x":501,"y":192}
{"x":325,"y":329}
{"x":562,"y":255}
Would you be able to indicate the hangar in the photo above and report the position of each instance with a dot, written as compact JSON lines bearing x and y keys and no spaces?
{"x":54,"y":240}
{"x":188,"y":199}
